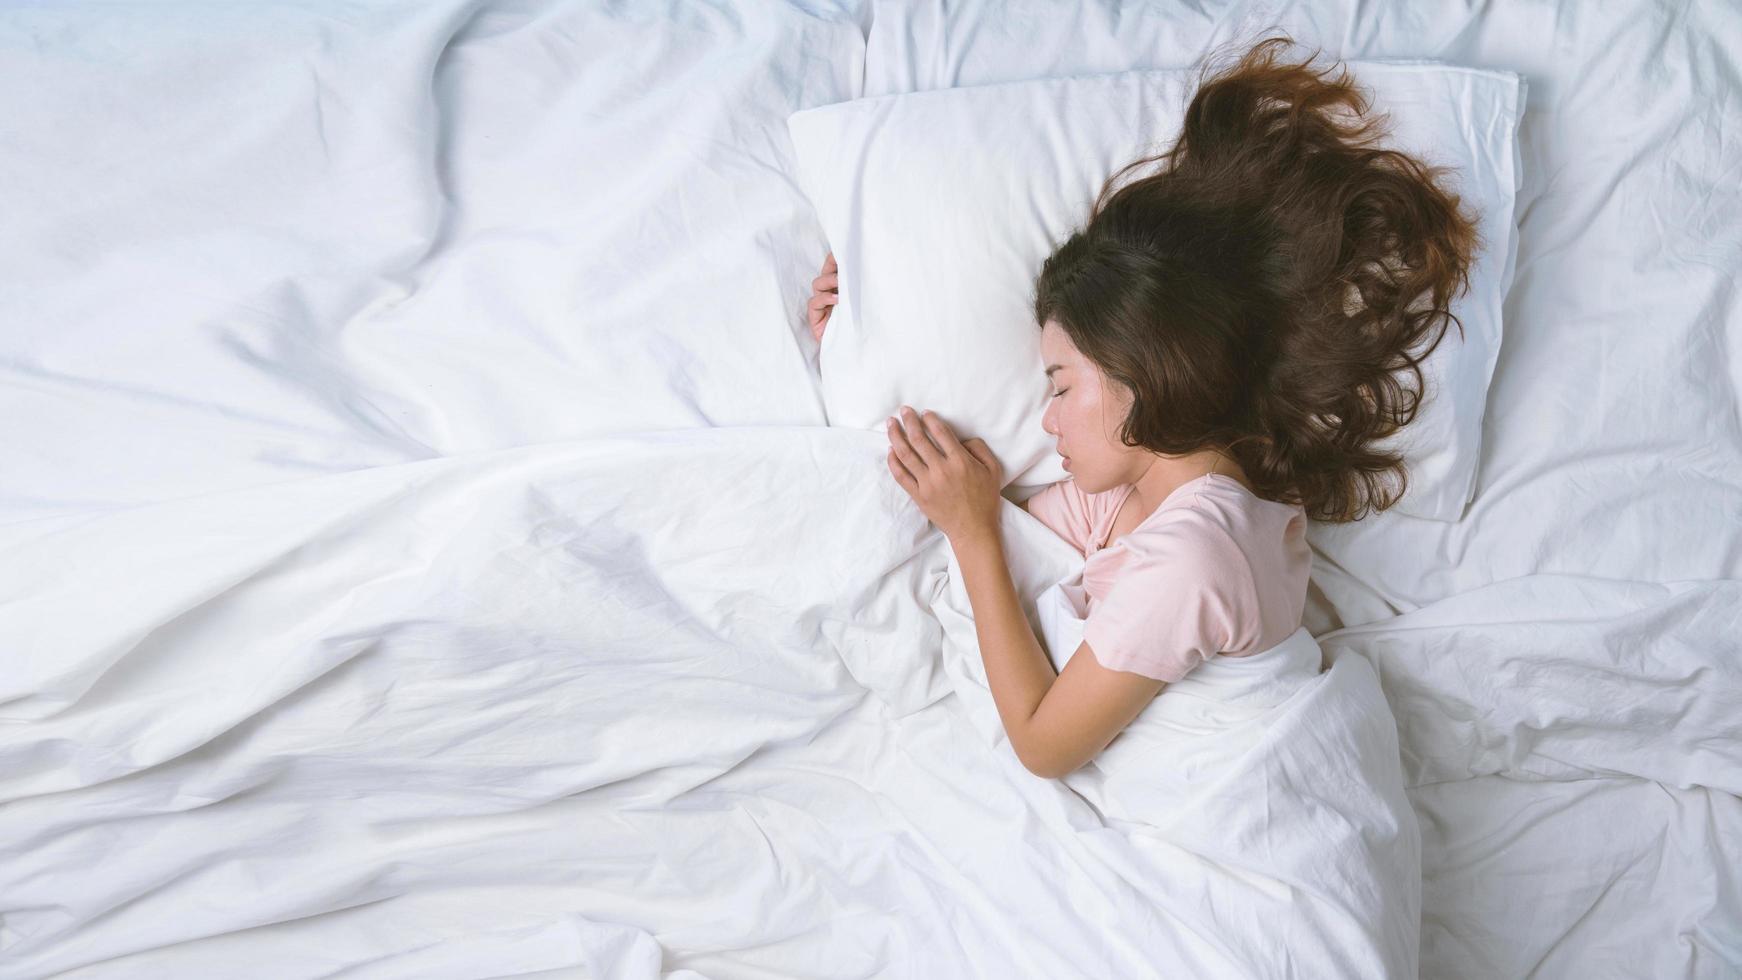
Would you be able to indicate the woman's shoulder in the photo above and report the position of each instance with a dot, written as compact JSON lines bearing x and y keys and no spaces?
{"x":1071,"y":513}
{"x":1219,"y":518}
{"x":1224,"y":503}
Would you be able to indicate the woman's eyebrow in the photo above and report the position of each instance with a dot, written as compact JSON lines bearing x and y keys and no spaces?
{"x":1050,"y":368}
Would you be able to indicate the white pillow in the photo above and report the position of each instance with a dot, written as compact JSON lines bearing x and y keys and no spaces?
{"x":940,"y":207}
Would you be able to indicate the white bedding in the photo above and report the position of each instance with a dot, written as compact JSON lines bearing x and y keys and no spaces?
{"x":421,"y":554}
{"x":514,"y":703}
{"x":257,"y":242}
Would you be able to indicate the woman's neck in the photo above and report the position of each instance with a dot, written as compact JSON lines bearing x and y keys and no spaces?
{"x":1165,"y":474}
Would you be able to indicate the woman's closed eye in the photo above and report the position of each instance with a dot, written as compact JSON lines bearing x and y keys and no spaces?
{"x":1060,"y":392}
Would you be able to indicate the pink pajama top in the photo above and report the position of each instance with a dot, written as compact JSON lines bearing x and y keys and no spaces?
{"x":1216,"y":569}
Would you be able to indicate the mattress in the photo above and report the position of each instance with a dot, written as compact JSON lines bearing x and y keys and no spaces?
{"x":424,"y":552}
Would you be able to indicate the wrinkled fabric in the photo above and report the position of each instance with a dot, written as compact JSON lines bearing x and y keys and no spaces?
{"x":594,"y":704}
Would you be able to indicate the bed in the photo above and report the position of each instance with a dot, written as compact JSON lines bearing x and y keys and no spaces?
{"x":424,"y":551}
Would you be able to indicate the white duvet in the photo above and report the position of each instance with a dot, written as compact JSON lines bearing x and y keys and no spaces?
{"x":421,"y":553}
{"x":709,"y":695}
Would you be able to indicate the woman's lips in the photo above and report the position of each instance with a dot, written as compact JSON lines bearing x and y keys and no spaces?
{"x":1067,"y":462}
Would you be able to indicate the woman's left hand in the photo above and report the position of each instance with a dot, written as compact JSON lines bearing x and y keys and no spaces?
{"x":956,"y":484}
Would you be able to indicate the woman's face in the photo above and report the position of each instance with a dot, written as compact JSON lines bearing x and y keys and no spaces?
{"x":1083,"y":416}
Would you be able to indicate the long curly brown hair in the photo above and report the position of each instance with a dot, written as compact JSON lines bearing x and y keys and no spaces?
{"x":1265,"y":291}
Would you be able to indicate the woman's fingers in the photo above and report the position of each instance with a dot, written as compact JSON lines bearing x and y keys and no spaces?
{"x":825,"y":292}
{"x":904,"y":450}
{"x":941,"y":433}
{"x":817,"y":313}
{"x":977,"y":449}
{"x":986,"y":456}
{"x":899,"y":471}
{"x":914,"y":429}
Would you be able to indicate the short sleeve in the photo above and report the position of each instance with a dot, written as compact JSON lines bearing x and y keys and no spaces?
{"x":1062,"y":508}
{"x":1181,"y":597}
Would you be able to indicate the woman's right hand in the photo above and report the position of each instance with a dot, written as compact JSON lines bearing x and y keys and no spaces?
{"x":825,"y":290}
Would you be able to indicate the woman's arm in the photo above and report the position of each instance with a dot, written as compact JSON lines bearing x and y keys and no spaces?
{"x":1055,"y":722}
{"x":1016,"y":667}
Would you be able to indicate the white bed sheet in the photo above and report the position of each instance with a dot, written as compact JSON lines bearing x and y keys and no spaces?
{"x":587,"y":706}
{"x":248,"y":243}
{"x":354,"y":514}
{"x":423,"y":555}
{"x":1566,"y":661}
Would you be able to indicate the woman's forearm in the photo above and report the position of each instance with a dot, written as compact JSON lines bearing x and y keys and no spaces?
{"x":1017,"y":669}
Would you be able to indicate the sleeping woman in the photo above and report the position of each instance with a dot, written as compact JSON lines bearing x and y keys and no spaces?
{"x":1226,"y":338}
